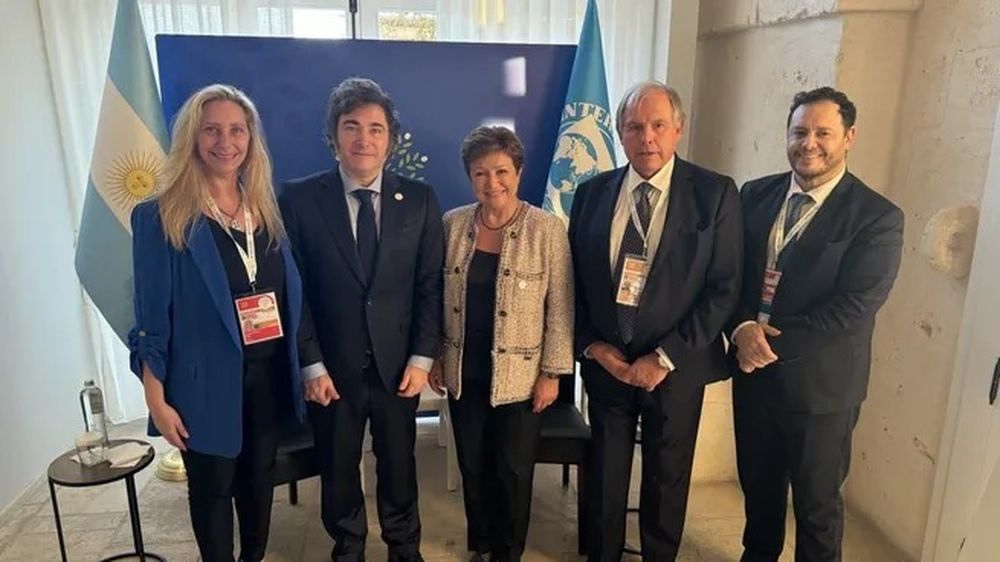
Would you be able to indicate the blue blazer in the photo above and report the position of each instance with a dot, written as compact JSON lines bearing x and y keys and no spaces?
{"x":185,"y":330}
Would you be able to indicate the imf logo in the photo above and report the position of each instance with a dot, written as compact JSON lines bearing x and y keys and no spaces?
{"x":584,"y":149}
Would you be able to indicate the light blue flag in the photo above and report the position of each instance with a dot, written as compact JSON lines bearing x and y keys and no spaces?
{"x":586,"y":143}
{"x":125,"y":169}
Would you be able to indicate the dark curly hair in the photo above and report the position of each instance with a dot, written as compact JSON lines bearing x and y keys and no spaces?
{"x":848,"y":113}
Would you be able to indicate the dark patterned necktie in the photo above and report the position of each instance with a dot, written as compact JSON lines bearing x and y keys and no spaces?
{"x":798,"y":205}
{"x":645,"y":196}
{"x":367,"y":234}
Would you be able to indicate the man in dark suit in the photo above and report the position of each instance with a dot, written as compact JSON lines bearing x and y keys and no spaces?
{"x":369,"y":245}
{"x":657,"y":256}
{"x":822,"y":250}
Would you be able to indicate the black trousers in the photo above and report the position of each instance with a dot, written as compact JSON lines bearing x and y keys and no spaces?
{"x":776,"y":448}
{"x":339,"y":434}
{"x":215,"y":481}
{"x":496,"y":453}
{"x":670,"y":416}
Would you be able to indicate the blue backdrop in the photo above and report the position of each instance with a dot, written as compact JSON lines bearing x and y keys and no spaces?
{"x":441,"y":90}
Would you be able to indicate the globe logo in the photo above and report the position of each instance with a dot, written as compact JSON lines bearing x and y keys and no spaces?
{"x":584,"y":149}
{"x":575,"y":162}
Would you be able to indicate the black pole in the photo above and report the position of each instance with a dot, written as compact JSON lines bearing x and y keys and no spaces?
{"x":352,"y":5}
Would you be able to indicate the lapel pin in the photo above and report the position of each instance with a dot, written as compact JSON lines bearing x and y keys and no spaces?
{"x":398,"y":196}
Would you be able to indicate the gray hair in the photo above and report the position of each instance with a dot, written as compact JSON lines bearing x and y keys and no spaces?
{"x":351,"y":94}
{"x":639,"y":91}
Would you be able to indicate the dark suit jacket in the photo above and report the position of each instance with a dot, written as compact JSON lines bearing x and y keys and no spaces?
{"x":693,"y":284}
{"x":838,"y":275}
{"x":402,"y":307}
{"x":186,"y":331}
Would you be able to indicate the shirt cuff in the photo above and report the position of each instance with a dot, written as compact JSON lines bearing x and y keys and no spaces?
{"x":313,"y":371}
{"x":732,"y":336}
{"x":420,"y":362}
{"x":666,"y":359}
{"x":586,"y":352}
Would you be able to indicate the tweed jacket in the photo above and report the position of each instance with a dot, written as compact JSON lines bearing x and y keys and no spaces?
{"x":533,"y":323}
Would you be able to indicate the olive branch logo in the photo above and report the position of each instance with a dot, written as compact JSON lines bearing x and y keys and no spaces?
{"x":405,"y":161}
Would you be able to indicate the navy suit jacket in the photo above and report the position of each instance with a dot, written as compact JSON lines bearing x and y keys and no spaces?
{"x":185,"y":330}
{"x":837,"y":276}
{"x":401,"y":308}
{"x":693,"y":285}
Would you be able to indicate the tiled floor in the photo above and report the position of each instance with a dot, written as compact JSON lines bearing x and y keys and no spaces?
{"x":96,"y":521}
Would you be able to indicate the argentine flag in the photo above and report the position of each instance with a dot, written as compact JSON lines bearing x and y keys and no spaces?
{"x":126,"y":167}
{"x":586,"y":143}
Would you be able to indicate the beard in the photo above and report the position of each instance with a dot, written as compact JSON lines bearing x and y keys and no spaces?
{"x":819,"y":167}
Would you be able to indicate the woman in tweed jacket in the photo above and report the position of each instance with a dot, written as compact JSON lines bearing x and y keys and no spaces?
{"x":508,"y":323}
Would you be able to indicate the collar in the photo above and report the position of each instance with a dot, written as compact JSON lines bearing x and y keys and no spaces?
{"x":660,"y":180}
{"x":351,"y":186}
{"x":818,"y":193}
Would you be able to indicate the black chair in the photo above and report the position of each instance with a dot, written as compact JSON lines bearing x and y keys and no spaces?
{"x":296,"y":458}
{"x":565,"y":439}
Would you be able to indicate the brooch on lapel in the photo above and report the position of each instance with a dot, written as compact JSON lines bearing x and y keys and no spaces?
{"x":398,"y":196}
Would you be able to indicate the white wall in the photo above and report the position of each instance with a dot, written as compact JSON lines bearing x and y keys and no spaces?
{"x":44,"y":350}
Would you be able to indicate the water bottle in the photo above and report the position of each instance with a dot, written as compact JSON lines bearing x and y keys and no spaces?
{"x":92,"y":405}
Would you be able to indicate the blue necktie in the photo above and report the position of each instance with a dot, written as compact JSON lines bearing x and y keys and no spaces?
{"x":798,"y":205}
{"x":367,"y":234}
{"x":645,"y":198}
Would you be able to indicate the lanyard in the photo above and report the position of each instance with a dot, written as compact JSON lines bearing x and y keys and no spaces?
{"x":248,"y":256}
{"x":634,"y":217}
{"x":779,"y":240}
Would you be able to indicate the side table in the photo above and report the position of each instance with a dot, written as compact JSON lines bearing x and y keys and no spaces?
{"x":66,"y":472}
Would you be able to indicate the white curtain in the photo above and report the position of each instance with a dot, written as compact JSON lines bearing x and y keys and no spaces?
{"x":78,"y":39}
{"x":634,"y":32}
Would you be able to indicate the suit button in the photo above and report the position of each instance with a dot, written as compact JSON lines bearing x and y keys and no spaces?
{"x":506,"y":273}
{"x":369,"y":302}
{"x":457,"y":270}
{"x":513,"y":235}
{"x":142,"y":333}
{"x":502,"y":313}
{"x":456,"y":310}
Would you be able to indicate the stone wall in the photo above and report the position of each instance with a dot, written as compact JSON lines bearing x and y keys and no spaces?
{"x":926,"y":79}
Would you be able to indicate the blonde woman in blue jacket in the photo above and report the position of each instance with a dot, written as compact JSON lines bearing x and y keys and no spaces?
{"x":218,"y":304}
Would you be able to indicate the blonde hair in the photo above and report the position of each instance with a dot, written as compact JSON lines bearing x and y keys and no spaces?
{"x":181,"y":199}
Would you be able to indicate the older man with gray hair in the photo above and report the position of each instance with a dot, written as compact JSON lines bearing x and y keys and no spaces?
{"x":657,"y":253}
{"x":369,"y":245}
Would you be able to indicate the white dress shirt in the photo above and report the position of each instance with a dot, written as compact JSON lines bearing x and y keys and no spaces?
{"x":623,"y":210}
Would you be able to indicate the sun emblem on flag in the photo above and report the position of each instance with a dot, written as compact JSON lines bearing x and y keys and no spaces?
{"x":134,"y":176}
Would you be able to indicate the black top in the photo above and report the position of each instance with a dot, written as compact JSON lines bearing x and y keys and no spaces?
{"x":270,"y":277}
{"x":480,"y":301}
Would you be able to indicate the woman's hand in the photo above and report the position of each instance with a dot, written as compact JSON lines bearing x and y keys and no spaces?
{"x":168,"y":423}
{"x":166,"y":419}
{"x":546,"y":391}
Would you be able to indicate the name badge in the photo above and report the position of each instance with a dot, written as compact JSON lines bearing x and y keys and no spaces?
{"x":635,"y":271}
{"x":259,"y":317}
{"x":771,"y":279}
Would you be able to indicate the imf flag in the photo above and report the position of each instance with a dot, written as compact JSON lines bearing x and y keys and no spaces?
{"x":586,"y":144}
{"x":128,"y":157}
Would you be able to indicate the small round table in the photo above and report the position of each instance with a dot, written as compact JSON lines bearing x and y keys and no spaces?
{"x":67,"y":472}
